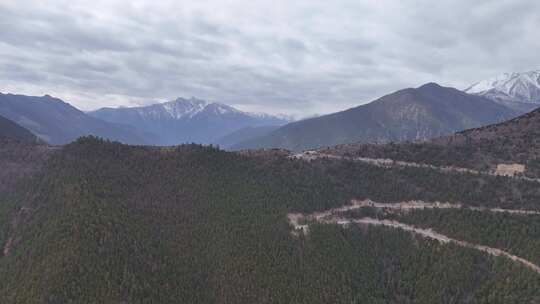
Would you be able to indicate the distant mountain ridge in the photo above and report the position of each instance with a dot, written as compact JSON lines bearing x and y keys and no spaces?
{"x":187,"y":120}
{"x":410,"y":114}
{"x":57,"y":122}
{"x":517,"y":90}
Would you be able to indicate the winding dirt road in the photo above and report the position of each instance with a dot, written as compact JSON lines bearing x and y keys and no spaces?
{"x":412,"y":205}
{"x":389,"y":163}
{"x":428,"y":233}
{"x":401,"y":206}
{"x":332,"y":216}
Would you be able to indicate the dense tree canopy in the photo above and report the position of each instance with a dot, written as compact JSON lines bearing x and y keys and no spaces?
{"x":103,"y":222}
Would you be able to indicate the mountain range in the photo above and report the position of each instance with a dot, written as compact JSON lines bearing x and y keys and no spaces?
{"x":520,"y":91}
{"x":57,"y":122}
{"x":170,"y":123}
{"x":187,"y":120}
{"x":410,"y":114}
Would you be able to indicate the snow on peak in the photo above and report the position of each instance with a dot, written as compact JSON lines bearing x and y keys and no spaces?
{"x":181,"y":107}
{"x":188,"y":108}
{"x":522,"y":87}
{"x":221,"y":109}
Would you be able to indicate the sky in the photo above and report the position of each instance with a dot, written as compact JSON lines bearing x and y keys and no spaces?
{"x":300,"y":57}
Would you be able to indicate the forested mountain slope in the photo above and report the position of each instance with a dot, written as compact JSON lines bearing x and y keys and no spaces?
{"x":19,"y":160}
{"x":516,"y":141}
{"x":109,"y":223}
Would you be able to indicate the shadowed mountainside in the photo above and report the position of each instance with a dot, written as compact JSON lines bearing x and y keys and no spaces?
{"x":57,"y":122}
{"x":11,"y":130}
{"x":410,"y":114}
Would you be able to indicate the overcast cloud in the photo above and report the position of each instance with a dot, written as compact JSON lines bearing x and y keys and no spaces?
{"x":298,"y":57}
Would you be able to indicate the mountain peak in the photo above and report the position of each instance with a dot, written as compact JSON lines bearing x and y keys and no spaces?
{"x":185,"y":120}
{"x":430,"y":85}
{"x":192,"y":100}
{"x":504,"y":81}
{"x":182,"y":107}
{"x":410,"y":114}
{"x":510,"y":88}
{"x":188,"y":108}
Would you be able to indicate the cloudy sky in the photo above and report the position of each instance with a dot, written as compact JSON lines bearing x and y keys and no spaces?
{"x":297,"y":57}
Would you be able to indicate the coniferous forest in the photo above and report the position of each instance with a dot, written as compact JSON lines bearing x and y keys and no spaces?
{"x":102,"y":222}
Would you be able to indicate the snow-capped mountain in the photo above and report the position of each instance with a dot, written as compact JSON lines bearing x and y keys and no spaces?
{"x":187,"y":120}
{"x":180,"y":108}
{"x":176,"y":110}
{"x":518,"y":90}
